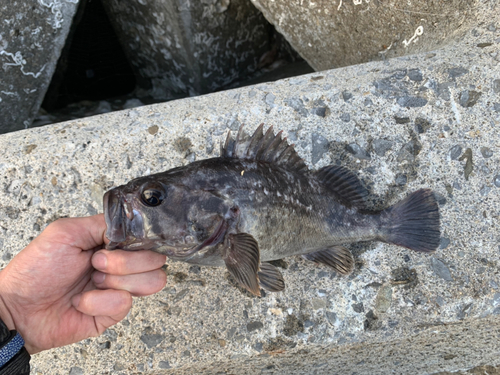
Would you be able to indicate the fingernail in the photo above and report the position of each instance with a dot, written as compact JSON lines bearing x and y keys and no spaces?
{"x":98,"y":277}
{"x":100,"y":261}
{"x":76,"y":300}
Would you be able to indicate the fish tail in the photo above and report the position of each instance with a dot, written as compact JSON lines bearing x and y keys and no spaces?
{"x":413,"y":223}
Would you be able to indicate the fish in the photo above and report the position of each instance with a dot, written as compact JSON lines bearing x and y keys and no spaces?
{"x":259,"y":202}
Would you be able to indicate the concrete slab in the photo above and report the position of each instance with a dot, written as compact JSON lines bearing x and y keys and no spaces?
{"x":32,"y":35}
{"x":427,"y":120}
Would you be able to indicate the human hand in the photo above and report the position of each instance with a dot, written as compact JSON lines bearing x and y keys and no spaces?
{"x":63,"y":288}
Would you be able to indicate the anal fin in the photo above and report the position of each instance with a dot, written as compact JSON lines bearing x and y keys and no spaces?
{"x":270,"y":278}
{"x":337,"y":257}
{"x":242,"y":258}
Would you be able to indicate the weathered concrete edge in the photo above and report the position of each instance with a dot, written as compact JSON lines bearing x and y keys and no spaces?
{"x":270,"y":9}
{"x":35,"y":85}
{"x":69,"y":11}
{"x":435,"y":349}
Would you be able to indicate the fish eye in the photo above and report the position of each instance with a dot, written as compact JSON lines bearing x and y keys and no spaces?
{"x":152,"y":197}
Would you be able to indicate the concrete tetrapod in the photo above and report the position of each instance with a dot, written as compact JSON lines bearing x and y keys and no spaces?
{"x":337,"y":33}
{"x":31,"y":39}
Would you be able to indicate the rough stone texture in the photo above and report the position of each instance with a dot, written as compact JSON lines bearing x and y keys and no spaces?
{"x":32,"y":35}
{"x":181,"y":48}
{"x":330,"y":34}
{"x":399,"y":311}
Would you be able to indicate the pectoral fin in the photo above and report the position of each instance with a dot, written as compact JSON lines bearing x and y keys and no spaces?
{"x":337,"y":257}
{"x":270,"y":278}
{"x":242,"y":258}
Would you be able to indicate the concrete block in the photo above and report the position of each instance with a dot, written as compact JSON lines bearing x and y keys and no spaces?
{"x":331,"y":34}
{"x":181,"y":48}
{"x":32,"y":35}
{"x":426,"y":120}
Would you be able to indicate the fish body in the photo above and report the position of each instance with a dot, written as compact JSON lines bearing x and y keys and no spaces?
{"x":256,"y":203}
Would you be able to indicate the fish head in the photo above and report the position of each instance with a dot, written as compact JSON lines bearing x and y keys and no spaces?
{"x":164,"y":216}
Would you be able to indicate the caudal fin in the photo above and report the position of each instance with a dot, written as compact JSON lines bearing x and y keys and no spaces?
{"x":413,"y":222}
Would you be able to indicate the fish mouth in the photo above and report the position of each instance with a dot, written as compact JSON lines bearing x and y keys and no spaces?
{"x":125,"y":225}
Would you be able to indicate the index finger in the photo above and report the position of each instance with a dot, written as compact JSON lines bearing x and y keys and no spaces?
{"x":120,"y":262}
{"x":81,"y":232}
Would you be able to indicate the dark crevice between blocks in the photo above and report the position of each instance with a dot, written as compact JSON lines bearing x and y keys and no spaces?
{"x":92,"y":65}
{"x":94,"y":75}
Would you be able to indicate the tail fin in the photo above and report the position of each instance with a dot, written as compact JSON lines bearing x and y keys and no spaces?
{"x":413,"y":222}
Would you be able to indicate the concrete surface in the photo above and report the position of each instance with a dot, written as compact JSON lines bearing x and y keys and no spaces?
{"x":180,"y":48}
{"x":32,"y":35}
{"x":331,"y":34}
{"x":427,"y":120}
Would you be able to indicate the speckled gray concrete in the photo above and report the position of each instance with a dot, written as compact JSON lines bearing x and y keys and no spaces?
{"x":428,"y":120}
{"x":32,"y":35}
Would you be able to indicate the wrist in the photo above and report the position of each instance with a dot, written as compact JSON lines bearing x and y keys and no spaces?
{"x":8,"y":321}
{"x":5,"y":315}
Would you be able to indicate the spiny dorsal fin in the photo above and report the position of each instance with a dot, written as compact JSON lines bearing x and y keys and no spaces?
{"x":263,"y":147}
{"x":343,"y":183}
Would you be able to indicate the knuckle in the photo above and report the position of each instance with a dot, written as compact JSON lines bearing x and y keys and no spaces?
{"x":59,"y":224}
{"x":117,"y":282}
{"x":153,"y":258}
{"x":55,"y":225}
{"x":161,"y":280}
{"x":100,"y":260}
{"x":86,"y":301}
{"x":159,"y":258}
{"x":117,"y":263}
{"x":126,"y":300}
{"x":106,"y":284}
{"x":62,"y":228}
{"x":157,"y":281}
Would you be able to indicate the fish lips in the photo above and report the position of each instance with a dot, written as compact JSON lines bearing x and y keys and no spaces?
{"x":125,"y":225}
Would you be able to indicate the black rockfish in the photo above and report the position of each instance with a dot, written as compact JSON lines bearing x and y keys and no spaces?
{"x":256,"y":203}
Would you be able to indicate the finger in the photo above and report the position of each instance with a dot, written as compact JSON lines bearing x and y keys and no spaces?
{"x":81,"y":232}
{"x":141,"y":284}
{"x":120,"y":262}
{"x":113,"y":303}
